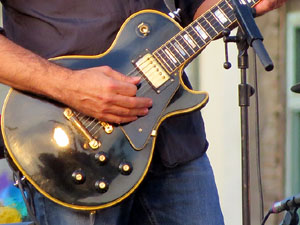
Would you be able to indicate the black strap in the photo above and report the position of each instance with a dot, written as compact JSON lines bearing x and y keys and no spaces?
{"x":174,"y":11}
{"x":26,"y":194}
{"x":170,"y":5}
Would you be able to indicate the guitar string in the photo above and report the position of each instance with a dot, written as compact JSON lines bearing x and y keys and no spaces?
{"x":142,"y":91}
{"x":95,"y":126}
{"x":85,"y":119}
{"x":95,"y":121}
{"x":134,"y":72}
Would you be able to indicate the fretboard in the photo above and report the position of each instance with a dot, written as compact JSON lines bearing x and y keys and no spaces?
{"x":190,"y":41}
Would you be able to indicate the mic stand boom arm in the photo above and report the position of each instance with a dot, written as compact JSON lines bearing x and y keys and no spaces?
{"x":254,"y":38}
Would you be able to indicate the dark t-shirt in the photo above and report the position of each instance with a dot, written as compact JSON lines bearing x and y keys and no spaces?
{"x":65,"y":27}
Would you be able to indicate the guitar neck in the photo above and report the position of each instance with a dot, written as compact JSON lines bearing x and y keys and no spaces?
{"x":191,"y":41}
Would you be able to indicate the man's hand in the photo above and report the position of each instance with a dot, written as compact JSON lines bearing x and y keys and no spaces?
{"x":105,"y":94}
{"x":100,"y":92}
{"x":267,"y":5}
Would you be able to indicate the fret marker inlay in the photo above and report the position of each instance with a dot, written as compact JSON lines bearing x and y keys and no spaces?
{"x":201,"y":32}
{"x":170,"y":55}
{"x":182,"y":52}
{"x":220,"y":16}
{"x":189,"y":40}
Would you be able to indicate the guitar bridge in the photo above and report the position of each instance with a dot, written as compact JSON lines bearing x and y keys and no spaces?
{"x":93,"y":142}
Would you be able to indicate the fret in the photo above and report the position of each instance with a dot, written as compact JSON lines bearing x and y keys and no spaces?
{"x":181,"y":49}
{"x":160,"y":56}
{"x":207,"y":27}
{"x":171,"y":56}
{"x":221,"y":16}
{"x":195,"y":35}
{"x":250,"y":3}
{"x":213,"y":22}
{"x":229,"y":4}
{"x":176,"y":52}
{"x":247,"y":2}
{"x":167,"y":58}
{"x":201,"y":32}
{"x":243,"y":2}
{"x":198,"y":34}
{"x":253,"y":2}
{"x":225,"y":7}
{"x":189,"y":39}
{"x":185,"y":46}
{"x":208,"y":22}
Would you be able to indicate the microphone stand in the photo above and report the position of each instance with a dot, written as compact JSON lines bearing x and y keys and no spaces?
{"x":291,"y":217}
{"x":245,"y":91}
{"x":248,"y":35}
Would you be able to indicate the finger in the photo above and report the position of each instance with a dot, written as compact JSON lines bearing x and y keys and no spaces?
{"x":120,"y":83}
{"x":126,"y":112}
{"x":132,"y":102}
{"x":111,"y":118}
{"x":119,"y":76}
{"x":125,"y":88}
{"x":120,"y":87}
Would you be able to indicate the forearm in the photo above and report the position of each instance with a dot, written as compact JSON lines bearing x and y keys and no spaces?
{"x":24,"y":70}
{"x":262,"y":7}
{"x":100,"y":92}
{"x":206,"y":5}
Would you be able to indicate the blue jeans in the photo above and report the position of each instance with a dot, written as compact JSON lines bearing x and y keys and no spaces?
{"x":183,"y":195}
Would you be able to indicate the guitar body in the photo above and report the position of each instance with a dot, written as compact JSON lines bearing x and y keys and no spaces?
{"x":71,"y":172}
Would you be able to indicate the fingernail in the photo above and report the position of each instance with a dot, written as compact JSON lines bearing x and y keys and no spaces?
{"x":136,"y":78}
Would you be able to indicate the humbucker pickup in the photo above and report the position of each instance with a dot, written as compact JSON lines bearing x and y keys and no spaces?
{"x":152,"y":70}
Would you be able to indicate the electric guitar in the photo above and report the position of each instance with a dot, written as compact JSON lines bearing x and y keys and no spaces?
{"x":87,"y":164}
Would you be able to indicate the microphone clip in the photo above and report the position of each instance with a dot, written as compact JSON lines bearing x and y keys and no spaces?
{"x":291,"y":217}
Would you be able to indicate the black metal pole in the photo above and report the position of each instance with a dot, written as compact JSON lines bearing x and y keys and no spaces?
{"x":245,"y":91}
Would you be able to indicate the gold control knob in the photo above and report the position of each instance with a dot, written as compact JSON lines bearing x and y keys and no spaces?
{"x":125,"y":168}
{"x":102,"y":186}
{"x":78,"y":176}
{"x":101,"y":158}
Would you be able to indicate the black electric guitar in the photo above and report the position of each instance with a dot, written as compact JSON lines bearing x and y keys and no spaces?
{"x":82,"y":163}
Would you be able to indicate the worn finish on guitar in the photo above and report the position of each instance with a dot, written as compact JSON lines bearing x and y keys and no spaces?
{"x":69,"y":171}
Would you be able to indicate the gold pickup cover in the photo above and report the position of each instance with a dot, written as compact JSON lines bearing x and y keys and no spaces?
{"x":152,"y":70}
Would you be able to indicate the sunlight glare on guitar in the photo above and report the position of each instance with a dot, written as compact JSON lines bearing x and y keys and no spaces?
{"x":60,"y":137}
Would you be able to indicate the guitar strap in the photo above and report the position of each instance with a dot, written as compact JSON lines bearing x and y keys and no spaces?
{"x":170,"y":5}
{"x":174,"y":11}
